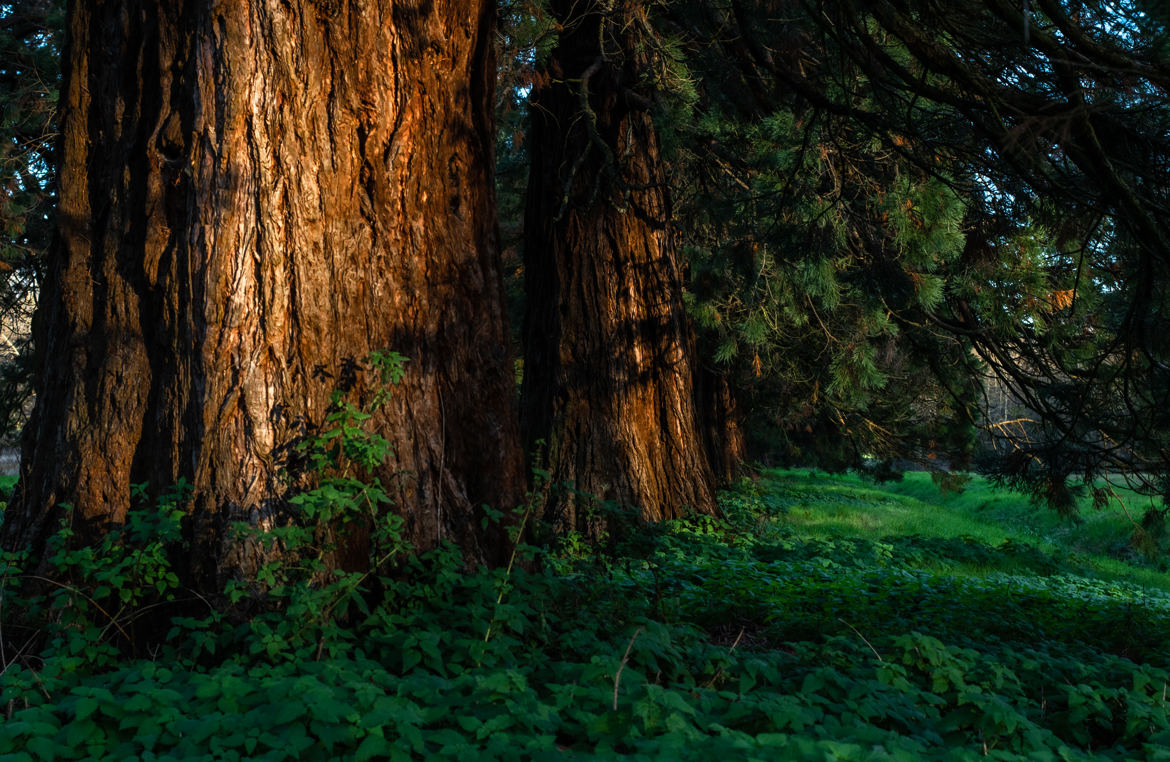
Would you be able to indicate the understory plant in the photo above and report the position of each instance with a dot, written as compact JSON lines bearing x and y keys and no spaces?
{"x":742,"y":638}
{"x":93,"y":605}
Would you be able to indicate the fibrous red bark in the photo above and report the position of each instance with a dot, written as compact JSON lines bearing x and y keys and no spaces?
{"x":255,"y":195}
{"x":609,"y":368}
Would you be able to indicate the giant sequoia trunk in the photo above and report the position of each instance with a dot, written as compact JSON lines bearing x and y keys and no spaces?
{"x":608,"y":376}
{"x":254,"y":195}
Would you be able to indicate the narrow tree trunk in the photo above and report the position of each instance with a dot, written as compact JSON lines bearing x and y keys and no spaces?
{"x":255,"y":195}
{"x":608,"y":376}
{"x":723,"y":433}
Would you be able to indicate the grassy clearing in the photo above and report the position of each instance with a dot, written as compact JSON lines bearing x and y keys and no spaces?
{"x":824,"y":619}
{"x":1097,"y":542}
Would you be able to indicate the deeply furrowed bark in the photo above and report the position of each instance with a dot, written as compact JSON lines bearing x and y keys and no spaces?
{"x":254,"y":195}
{"x":608,"y":377}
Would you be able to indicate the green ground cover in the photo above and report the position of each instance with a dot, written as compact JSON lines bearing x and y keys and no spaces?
{"x":825,"y":619}
{"x":1098,"y":541}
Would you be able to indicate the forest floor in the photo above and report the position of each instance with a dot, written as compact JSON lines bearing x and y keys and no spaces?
{"x":826,"y":618}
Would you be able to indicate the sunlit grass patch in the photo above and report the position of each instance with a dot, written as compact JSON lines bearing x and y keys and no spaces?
{"x":1015,"y":534}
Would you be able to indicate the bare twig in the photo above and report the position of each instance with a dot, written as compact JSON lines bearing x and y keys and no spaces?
{"x":625,"y":658}
{"x":719,"y":672}
{"x":72,"y":589}
{"x":532,"y":502}
{"x":863,"y":640}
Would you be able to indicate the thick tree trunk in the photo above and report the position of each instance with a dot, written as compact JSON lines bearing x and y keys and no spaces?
{"x":254,"y":195}
{"x":608,"y":376}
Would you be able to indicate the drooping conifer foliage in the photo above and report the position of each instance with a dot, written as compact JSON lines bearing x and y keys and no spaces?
{"x":891,"y":206}
{"x":816,"y":252}
{"x":1049,"y":120}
